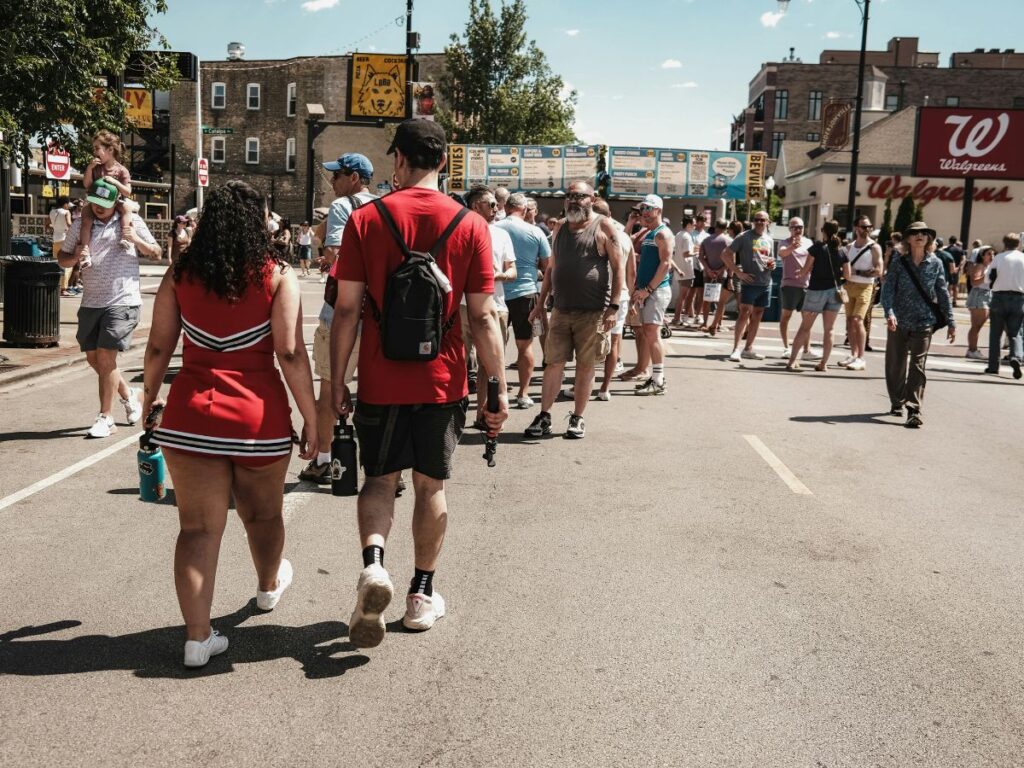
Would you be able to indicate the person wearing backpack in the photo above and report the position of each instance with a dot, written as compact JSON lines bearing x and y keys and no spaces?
{"x":412,"y":254}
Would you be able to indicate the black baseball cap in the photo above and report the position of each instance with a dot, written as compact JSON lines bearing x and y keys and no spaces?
{"x":417,"y":137}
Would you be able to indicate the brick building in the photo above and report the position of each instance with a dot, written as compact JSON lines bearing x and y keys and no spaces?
{"x":256,"y":113}
{"x":786,"y":98}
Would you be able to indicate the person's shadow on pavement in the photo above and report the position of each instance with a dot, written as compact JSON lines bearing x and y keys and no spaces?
{"x":158,"y":652}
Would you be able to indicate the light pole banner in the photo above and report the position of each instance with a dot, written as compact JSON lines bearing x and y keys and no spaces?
{"x":955,"y":143}
{"x":637,"y":171}
{"x":521,"y":168}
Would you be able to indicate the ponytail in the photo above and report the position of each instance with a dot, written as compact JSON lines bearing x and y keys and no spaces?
{"x":831,"y":230}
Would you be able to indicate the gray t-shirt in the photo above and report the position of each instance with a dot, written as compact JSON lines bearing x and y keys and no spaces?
{"x":113,"y":278}
{"x":582,"y":276}
{"x":753,"y":252}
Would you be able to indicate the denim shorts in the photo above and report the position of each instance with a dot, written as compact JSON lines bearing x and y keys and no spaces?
{"x":824,"y":300}
{"x":756,"y":295}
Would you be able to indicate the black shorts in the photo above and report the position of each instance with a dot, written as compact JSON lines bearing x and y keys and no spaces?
{"x":420,"y":437}
{"x":519,"y":316}
{"x":698,"y":278}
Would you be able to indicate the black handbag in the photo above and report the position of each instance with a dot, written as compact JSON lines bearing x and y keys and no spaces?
{"x":940,"y":319}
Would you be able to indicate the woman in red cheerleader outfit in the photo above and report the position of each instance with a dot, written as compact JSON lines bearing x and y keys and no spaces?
{"x":227,"y":429}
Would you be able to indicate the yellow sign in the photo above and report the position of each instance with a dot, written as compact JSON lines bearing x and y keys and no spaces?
{"x":755,"y":175}
{"x":376,"y":87}
{"x":140,"y":107}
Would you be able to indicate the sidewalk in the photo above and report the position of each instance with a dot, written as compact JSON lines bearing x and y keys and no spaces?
{"x":26,"y":363}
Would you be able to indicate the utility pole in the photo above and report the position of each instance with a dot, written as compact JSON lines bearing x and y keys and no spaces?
{"x":851,"y":213}
{"x":199,"y":136}
{"x":5,"y":204}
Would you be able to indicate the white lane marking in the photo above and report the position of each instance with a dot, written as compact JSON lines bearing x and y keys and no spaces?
{"x":776,"y":463}
{"x":55,"y":478}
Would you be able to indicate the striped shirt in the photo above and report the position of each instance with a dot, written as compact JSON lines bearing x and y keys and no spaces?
{"x":113,"y":278}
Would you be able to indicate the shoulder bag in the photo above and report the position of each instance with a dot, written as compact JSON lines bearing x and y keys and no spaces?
{"x":940,"y":320}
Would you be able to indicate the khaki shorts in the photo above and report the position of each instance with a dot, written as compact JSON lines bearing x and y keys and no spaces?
{"x":580,"y":333}
{"x":322,"y":354}
{"x":860,"y":299}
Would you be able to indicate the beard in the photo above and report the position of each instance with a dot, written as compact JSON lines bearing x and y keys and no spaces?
{"x":577,"y":213}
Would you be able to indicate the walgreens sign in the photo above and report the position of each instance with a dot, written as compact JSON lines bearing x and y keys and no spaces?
{"x":956,"y":143}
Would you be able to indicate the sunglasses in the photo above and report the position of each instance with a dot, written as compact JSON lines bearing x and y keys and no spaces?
{"x":577,"y":196}
{"x":341,"y":172}
{"x":647,"y":208}
{"x":489,"y":204}
{"x":796,"y":226}
{"x":763,"y":221}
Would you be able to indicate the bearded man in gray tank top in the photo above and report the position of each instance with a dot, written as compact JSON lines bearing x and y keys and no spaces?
{"x":586,"y":274}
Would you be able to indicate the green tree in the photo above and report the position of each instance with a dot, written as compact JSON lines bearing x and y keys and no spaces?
{"x":498,"y":87}
{"x":919,"y":212}
{"x":886,"y":231}
{"x":57,"y":52}
{"x":904,"y":214}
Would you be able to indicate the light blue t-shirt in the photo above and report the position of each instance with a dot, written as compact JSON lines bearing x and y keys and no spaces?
{"x":337,"y":218}
{"x":530,"y":246}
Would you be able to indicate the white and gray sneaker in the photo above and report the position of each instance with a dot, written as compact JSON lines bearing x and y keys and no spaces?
{"x":735,"y":356}
{"x":576,"y":430}
{"x":198,"y":653}
{"x":650,"y":387}
{"x":266,"y":601}
{"x":421,"y":611}
{"x":812,"y":354}
{"x":103,"y":427}
{"x":524,"y":402}
{"x":846,"y":362}
{"x":857,"y":364}
{"x":132,"y":407}
{"x":750,"y":354}
{"x":975,"y":354}
{"x":373,"y":594}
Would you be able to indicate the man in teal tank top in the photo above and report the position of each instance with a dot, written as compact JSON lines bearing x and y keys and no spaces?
{"x":653,"y":289}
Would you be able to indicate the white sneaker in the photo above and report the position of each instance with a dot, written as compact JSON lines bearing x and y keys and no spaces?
{"x":198,"y":653}
{"x":619,"y":367}
{"x":421,"y":611}
{"x":857,"y":364}
{"x":846,"y":362}
{"x":749,"y":354}
{"x":373,"y":594}
{"x":266,"y":601}
{"x":132,"y":407}
{"x":524,"y":402}
{"x":812,"y":354}
{"x":569,"y":393}
{"x":604,"y":395}
{"x":975,"y":354}
{"x":103,"y":427}
{"x":785,"y":353}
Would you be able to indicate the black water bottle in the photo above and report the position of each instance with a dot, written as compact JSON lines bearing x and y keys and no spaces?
{"x":344,"y":472}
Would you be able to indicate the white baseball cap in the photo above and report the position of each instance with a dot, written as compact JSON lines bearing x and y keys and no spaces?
{"x":653,"y":201}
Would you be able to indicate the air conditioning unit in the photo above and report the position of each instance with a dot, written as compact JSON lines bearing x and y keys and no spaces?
{"x":236,"y":51}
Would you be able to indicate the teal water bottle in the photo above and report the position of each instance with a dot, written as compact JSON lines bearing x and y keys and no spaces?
{"x":152,"y":470}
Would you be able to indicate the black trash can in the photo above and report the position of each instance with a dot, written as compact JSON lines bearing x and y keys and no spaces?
{"x":31,"y":303}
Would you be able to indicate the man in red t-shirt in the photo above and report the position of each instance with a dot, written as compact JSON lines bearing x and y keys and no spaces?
{"x":410,"y":414}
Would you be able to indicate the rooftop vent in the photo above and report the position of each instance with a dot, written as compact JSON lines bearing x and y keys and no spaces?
{"x":236,"y":51}
{"x":993,"y":50}
{"x":1009,"y":50}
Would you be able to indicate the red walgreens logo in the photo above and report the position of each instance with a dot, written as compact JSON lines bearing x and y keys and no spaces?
{"x":976,"y":143}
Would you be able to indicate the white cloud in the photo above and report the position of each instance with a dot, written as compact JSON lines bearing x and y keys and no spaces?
{"x":833,"y":35}
{"x":572,"y":32}
{"x":769,"y":19}
{"x":671,"y":64}
{"x":687,"y":84}
{"x":319,"y":5}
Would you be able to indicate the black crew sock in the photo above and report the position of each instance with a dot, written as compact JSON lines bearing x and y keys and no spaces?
{"x":546,"y":413}
{"x":373,"y":554}
{"x":422,"y":582}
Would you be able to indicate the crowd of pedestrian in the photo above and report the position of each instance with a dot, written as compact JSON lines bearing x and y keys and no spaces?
{"x":421,"y":293}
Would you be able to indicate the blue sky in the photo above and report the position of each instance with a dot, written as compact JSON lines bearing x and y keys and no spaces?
{"x":667,"y":73}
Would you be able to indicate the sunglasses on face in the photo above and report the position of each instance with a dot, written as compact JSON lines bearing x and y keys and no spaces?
{"x":489,"y":204}
{"x":577,"y":196}
{"x":761,"y":221}
{"x":646,"y":209}
{"x":796,"y":226}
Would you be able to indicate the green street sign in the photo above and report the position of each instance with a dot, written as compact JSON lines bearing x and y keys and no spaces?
{"x":208,"y":131}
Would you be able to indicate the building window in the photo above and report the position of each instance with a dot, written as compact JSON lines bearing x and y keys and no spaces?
{"x":952,"y":101}
{"x":289,"y":155}
{"x":777,"y":139}
{"x":814,"y":105}
{"x":892,"y":102}
{"x":252,"y":150}
{"x":758,"y":142}
{"x":781,"y":104}
{"x":1018,"y":102}
{"x":290,"y":101}
{"x":253,"y":95}
{"x":759,"y":109}
{"x":218,"y":96}
{"x":217,"y":151}
{"x":814,"y":137}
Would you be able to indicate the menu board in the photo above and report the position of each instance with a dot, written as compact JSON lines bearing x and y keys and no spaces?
{"x":521,"y":168}
{"x":686,"y":173}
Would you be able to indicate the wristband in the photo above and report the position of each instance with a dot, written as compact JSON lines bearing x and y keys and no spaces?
{"x":614,"y":306}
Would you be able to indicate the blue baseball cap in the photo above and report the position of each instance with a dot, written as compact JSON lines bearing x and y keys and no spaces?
{"x":353,"y":162}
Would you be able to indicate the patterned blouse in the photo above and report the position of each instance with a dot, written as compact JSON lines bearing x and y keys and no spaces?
{"x":902,"y":300}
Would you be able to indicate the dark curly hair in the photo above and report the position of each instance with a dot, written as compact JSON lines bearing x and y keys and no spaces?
{"x":231,"y":248}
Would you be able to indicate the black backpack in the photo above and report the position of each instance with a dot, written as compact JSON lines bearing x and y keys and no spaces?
{"x":411,"y":321}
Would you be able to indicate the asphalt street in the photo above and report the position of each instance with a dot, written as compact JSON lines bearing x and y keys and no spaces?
{"x":760,"y":568}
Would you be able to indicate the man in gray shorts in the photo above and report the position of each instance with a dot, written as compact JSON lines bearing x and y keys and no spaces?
{"x":111,"y":299}
{"x":653,"y":288}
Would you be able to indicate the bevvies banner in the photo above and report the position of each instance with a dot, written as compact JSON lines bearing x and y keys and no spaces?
{"x":960,"y":143}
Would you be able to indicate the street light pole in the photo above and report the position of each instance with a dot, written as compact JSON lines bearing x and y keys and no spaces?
{"x":851,"y":213}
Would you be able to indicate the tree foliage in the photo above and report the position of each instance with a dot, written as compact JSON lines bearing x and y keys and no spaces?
{"x":904,"y":215}
{"x":56,"y":54}
{"x":886,"y":231}
{"x":498,"y":88}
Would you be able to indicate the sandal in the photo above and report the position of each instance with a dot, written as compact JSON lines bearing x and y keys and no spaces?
{"x":631,"y":374}
{"x":821,"y":367}
{"x":793,"y":367}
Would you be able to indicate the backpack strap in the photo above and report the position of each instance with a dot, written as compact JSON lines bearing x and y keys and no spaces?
{"x":385,"y":215}
{"x":439,"y":245}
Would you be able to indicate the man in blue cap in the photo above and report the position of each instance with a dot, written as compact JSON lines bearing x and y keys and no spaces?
{"x":350,"y":179}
